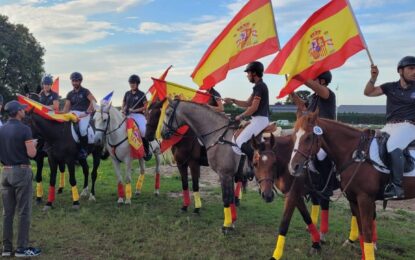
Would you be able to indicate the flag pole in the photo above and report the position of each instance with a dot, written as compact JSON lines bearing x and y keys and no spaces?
{"x":276,"y":32}
{"x":360,"y":33}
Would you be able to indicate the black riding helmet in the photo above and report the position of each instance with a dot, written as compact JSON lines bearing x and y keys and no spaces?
{"x":406,"y":61}
{"x":326,"y":76}
{"x":47,"y":80}
{"x":76,"y":76}
{"x":134,"y":79}
{"x":256,"y":67}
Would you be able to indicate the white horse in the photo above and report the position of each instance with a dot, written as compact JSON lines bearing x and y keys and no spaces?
{"x":111,"y":131}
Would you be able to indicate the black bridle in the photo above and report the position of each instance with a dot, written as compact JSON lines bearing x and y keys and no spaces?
{"x":309,"y":155}
{"x":274,"y":155}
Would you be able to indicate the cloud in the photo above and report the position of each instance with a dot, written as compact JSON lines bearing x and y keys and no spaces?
{"x":151,"y":27}
{"x":89,"y":7}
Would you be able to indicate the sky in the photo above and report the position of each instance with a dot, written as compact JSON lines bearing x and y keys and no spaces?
{"x":108,"y":40}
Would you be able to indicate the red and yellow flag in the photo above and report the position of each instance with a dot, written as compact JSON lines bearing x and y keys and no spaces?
{"x":134,"y":139}
{"x":249,"y":36}
{"x":55,"y":86}
{"x":153,"y":89}
{"x":325,"y":41}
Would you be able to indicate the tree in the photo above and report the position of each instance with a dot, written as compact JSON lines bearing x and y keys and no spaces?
{"x":303,"y":94}
{"x":21,"y":59}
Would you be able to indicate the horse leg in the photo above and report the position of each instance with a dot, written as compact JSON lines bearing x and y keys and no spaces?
{"x":238,"y":194}
{"x":184,"y":176}
{"x":366,"y":210}
{"x":128,"y":192}
{"x":157,"y":174}
{"x":72,"y":182}
{"x":315,"y":208}
{"x":39,"y":168}
{"x":315,"y":236}
{"x":61,"y":178}
{"x":195,"y":171}
{"x":140,"y":180}
{"x":290,"y":203}
{"x":85,"y":170}
{"x":120,"y":186}
{"x":324,"y":221}
{"x":52,"y":182}
{"x":354,"y":229}
{"x":96,"y":160}
{"x":228,"y":197}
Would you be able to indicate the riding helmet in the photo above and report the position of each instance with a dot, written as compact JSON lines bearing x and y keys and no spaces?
{"x":47,"y":80}
{"x":326,"y":76}
{"x":134,"y":79}
{"x":76,"y":76}
{"x":406,"y":61}
{"x":256,"y":67}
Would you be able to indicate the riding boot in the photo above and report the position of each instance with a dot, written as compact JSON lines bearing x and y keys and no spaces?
{"x":394,"y":189}
{"x":83,"y":147}
{"x":247,"y":149}
{"x":148,"y":154}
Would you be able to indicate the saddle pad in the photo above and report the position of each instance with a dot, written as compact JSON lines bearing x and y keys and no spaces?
{"x":91,"y":134}
{"x":374,"y":156}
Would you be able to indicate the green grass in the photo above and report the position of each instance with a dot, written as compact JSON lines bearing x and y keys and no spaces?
{"x":154,"y":228}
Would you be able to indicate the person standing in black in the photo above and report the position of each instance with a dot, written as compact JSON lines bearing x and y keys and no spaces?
{"x":16,"y":146}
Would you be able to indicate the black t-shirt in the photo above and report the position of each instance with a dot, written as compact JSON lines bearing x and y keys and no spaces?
{"x":134,"y":101}
{"x":327,"y":107}
{"x":48,"y":100}
{"x":400,"y":103}
{"x":261,"y":90}
{"x":13,"y":136}
{"x":215,"y":98}
{"x":79,"y":99}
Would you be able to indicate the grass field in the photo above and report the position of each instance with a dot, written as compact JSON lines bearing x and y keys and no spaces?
{"x":154,"y":228}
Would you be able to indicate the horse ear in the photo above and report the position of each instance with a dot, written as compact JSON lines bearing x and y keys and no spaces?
{"x":272,"y":141}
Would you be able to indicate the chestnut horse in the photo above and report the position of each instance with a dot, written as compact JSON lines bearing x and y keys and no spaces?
{"x":188,"y":154}
{"x":348,"y":147}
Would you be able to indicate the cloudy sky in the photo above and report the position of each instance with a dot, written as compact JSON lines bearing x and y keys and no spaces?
{"x":108,"y":40}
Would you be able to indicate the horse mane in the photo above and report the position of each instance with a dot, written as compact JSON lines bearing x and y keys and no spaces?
{"x":304,"y":122}
{"x":207,"y":109}
{"x":115,"y":113}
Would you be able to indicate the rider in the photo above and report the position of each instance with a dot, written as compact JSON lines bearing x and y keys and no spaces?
{"x":80,"y":101}
{"x":400,"y":118}
{"x":47,"y":96}
{"x":134,"y":105}
{"x":257,"y":106}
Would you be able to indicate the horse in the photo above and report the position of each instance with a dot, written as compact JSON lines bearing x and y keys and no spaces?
{"x":271,"y":168}
{"x":111,"y":131}
{"x":64,"y":149}
{"x":361,"y":182}
{"x":213,"y":129}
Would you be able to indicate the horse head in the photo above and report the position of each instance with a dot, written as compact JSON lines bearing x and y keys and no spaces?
{"x":265,"y":165}
{"x":153,"y":117}
{"x":170,"y":122}
{"x":307,"y":143}
{"x":101,"y":122}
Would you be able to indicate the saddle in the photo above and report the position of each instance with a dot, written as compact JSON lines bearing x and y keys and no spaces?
{"x":382,"y":139}
{"x":76,"y":133}
{"x":271,"y":128}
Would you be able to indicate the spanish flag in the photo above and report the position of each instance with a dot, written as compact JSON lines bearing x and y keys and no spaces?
{"x":249,"y":36}
{"x":55,"y":86}
{"x":153,"y":89}
{"x":324,"y":42}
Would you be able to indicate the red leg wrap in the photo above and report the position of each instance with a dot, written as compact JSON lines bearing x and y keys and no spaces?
{"x":324,"y":224}
{"x":51,"y":195}
{"x":238,"y":189}
{"x":315,"y":236}
{"x":233,"y":211}
{"x":186,"y":198}
{"x":121,"y":193}
{"x":157,"y":183}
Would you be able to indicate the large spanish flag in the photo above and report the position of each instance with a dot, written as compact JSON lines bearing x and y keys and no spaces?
{"x":325,"y":41}
{"x":249,"y":36}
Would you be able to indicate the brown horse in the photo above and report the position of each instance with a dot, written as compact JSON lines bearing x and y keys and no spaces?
{"x":271,"y":160}
{"x":348,"y":147}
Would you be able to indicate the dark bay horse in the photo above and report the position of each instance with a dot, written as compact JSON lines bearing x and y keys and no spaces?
{"x":348,"y":147}
{"x":64,"y":149}
{"x":214,"y":131}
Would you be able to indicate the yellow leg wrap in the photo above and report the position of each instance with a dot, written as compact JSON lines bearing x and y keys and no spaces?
{"x":198,"y":201}
{"x":354,"y":230}
{"x":140,"y":182}
{"x":369,"y":251}
{"x":75,"y":194}
{"x":228,"y":217}
{"x":279,"y":248}
{"x":62,"y":180}
{"x":128,"y":193}
{"x":39,"y":190}
{"x":315,"y":210}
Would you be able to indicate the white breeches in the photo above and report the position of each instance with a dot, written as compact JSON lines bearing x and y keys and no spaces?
{"x":258,"y":123}
{"x":401,"y":134}
{"x":83,"y":122}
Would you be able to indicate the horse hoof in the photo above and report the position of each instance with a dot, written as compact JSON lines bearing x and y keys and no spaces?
{"x":323,"y":239}
{"x":60,"y":190}
{"x":183,"y":209}
{"x":196,"y":211}
{"x":84,"y":193}
{"x":46,"y":208}
{"x":272,"y":258}
{"x":120,"y":202}
{"x":315,"y":249}
{"x":127,"y":202}
{"x":92,"y":198}
{"x":349,"y":243}
{"x":137,"y":193}
{"x":156,"y":193}
{"x":227,"y":230}
{"x":76,"y":205}
{"x":38,"y":200}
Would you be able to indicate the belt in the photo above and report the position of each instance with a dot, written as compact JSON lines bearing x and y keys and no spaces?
{"x":401,"y":121}
{"x":17,"y":166}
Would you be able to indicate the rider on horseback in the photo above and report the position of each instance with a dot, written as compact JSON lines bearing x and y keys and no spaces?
{"x":256,"y":106}
{"x":400,"y":118}
{"x":80,"y":101}
{"x":134,"y":105}
{"x":47,"y":96}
